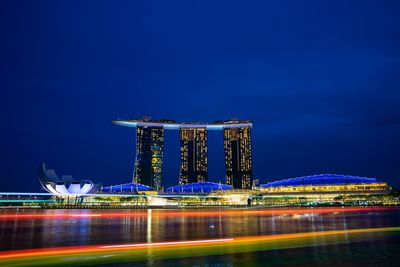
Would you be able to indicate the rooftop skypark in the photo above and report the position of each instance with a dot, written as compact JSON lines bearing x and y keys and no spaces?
{"x":174,"y":125}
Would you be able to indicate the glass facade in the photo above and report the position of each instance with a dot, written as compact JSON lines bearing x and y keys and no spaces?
{"x":238,"y":164}
{"x":200,"y":187}
{"x":125,"y":188}
{"x":149,"y":156}
{"x":323,"y":183}
{"x":194,"y":162}
{"x":329,"y":188}
{"x":321,"y":179}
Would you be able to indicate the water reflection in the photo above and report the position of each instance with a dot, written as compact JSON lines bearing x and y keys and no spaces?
{"x":154,"y":226}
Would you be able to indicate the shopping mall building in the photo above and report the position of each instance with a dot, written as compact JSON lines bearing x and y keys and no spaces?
{"x":321,"y":189}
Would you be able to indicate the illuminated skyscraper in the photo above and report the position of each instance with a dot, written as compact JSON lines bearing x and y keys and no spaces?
{"x":193,"y":150}
{"x":194,"y":165}
{"x":149,"y":156}
{"x":237,"y":146}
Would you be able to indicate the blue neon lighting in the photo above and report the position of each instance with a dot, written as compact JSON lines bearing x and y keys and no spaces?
{"x":201,"y":187}
{"x":130,"y":187}
{"x":321,"y":179}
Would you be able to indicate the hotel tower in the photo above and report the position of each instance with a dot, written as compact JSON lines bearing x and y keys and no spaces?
{"x":238,"y":162}
{"x":193,"y":151}
{"x":194,"y":162}
{"x":149,"y":156}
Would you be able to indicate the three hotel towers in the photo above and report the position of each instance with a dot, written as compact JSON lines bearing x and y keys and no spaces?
{"x":193,"y":151}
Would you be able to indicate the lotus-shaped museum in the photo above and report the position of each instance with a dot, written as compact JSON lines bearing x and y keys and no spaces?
{"x":65,"y":185}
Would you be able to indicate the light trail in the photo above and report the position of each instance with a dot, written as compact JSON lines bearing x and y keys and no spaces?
{"x":174,"y":213}
{"x":104,"y":248}
{"x":47,"y":216}
{"x":168,"y":243}
{"x":186,"y":244}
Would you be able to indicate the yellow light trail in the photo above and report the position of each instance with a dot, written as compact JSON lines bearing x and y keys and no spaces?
{"x":183,"y":248}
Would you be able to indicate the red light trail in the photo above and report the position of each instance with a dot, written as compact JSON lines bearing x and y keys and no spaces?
{"x":187,"y":244}
{"x":174,"y":213}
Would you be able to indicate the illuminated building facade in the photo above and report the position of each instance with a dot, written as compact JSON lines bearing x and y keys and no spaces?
{"x":128,"y":188}
{"x":238,"y":164}
{"x":325,"y":184}
{"x":193,"y":150}
{"x":198,"y":188}
{"x":194,"y":162}
{"x":149,"y":156}
{"x":65,"y":185}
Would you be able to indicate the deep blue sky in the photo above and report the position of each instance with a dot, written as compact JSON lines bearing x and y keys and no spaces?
{"x":320,"y":80}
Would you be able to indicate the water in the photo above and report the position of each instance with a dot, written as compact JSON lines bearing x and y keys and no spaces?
{"x":27,"y":229}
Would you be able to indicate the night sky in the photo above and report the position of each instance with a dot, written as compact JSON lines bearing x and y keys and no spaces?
{"x":319,"y":79}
